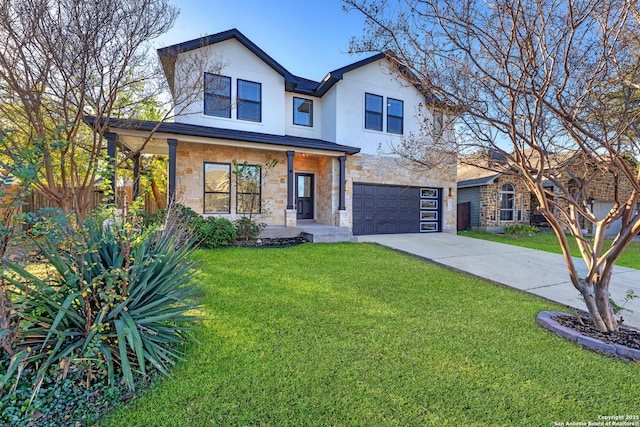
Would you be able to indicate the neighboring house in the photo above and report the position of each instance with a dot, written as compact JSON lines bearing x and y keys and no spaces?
{"x":328,"y":139}
{"x":494,"y":200}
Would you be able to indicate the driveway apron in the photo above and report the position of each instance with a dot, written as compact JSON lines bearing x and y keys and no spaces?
{"x":536,"y":272}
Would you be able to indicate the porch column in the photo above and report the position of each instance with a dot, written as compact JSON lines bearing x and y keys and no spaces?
{"x":343,"y":173}
{"x":173,"y":145}
{"x":290,"y":180}
{"x":136,"y":175}
{"x":111,"y":153}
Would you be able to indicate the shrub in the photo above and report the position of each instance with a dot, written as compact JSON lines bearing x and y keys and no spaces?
{"x":248,"y":228}
{"x":520,"y":230}
{"x":115,"y":300}
{"x":212,"y":232}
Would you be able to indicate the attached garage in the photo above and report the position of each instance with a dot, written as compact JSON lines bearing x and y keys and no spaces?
{"x":388,"y":209}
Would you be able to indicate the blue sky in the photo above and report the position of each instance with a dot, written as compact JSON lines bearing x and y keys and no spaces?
{"x":307,"y":37}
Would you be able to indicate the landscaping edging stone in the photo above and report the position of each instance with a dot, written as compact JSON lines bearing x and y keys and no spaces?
{"x":545,"y":319}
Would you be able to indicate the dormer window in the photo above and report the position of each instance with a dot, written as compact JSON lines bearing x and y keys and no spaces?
{"x":217,"y":95}
{"x":302,"y":112}
{"x":249,"y":101}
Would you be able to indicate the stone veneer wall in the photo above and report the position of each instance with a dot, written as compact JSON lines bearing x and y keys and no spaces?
{"x":190,"y":178}
{"x":324,"y":175}
{"x":360,"y":168}
{"x":487,"y":207}
{"x":602,"y":187}
{"x":395,"y":171}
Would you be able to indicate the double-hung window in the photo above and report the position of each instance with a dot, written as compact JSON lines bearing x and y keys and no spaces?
{"x":373,"y":112}
{"x":217,"y":95}
{"x":302,"y":111}
{"x":248,"y":189}
{"x":217,"y":192}
{"x":249,"y":101}
{"x":395,"y":115}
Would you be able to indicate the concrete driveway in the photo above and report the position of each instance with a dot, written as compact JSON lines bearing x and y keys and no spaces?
{"x":535,"y":272}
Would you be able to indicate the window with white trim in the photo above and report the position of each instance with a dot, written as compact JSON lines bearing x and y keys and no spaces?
{"x":507,"y":202}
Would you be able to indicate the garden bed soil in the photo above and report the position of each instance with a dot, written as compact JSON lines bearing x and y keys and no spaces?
{"x":583,"y":324}
{"x":623,"y":344}
{"x":274,"y":242}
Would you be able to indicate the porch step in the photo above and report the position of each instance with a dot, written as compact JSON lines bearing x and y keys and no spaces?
{"x":312,"y":232}
{"x":335,"y":235}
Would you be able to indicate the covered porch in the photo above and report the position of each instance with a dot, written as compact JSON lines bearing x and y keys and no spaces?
{"x":308,"y":183}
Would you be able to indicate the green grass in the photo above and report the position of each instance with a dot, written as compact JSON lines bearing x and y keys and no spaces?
{"x":547,"y":241}
{"x":359,"y":335}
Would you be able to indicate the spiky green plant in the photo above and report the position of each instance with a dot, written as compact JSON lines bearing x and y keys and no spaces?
{"x":117,"y":299}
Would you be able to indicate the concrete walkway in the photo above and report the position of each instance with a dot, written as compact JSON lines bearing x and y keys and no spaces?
{"x":536,"y":272}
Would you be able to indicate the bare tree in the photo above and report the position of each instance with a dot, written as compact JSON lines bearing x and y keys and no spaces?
{"x":64,"y":60}
{"x":533,"y":81}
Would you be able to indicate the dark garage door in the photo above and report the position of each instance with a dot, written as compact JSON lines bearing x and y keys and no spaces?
{"x":385,"y":209}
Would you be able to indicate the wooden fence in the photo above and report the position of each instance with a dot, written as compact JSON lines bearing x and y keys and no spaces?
{"x":36,"y":200}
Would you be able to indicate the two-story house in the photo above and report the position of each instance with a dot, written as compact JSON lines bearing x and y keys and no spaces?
{"x":328,"y":141}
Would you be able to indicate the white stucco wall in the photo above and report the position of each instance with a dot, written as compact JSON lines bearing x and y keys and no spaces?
{"x":375,"y":78}
{"x":237,"y":62}
{"x":303,"y":131}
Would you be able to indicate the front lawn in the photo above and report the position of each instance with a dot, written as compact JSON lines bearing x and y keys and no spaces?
{"x":359,"y":335}
{"x":547,"y":241}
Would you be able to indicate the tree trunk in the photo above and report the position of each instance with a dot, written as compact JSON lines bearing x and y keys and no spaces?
{"x":157,"y":195}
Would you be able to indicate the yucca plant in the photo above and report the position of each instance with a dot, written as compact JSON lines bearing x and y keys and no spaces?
{"x":117,"y":299}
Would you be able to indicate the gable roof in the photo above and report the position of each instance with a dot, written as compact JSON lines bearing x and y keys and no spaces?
{"x":475,"y":176}
{"x":178,"y":129}
{"x":293,"y":83}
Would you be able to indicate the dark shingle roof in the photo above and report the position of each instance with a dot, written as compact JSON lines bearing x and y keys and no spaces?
{"x":293,"y":83}
{"x":228,"y":134}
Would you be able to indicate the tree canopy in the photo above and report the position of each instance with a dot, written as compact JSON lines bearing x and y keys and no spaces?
{"x":529,"y":81}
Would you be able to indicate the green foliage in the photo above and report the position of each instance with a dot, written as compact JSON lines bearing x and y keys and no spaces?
{"x":212,"y":232}
{"x":248,"y":228}
{"x":115,"y":301}
{"x":249,"y":179}
{"x":61,"y":402}
{"x":520,"y":230}
{"x":618,"y":308}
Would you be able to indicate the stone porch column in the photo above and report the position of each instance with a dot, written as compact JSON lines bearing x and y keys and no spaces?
{"x":290,"y":214}
{"x":344,"y":217}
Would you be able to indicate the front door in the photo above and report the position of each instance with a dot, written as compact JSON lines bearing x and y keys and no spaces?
{"x":304,"y":195}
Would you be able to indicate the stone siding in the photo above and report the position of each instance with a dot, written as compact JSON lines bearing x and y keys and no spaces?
{"x":326,"y":169}
{"x":375,"y":169}
{"x":490,"y":202}
{"x":190,"y":178}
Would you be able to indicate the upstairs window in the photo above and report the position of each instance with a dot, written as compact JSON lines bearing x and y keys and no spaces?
{"x":302,"y":112}
{"x":217,"y":194}
{"x":249,"y":101}
{"x":373,"y":112}
{"x":217,"y":95}
{"x":395,"y":115}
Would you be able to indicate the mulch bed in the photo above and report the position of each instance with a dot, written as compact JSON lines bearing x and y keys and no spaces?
{"x":583,"y":324}
{"x":270,"y":242}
